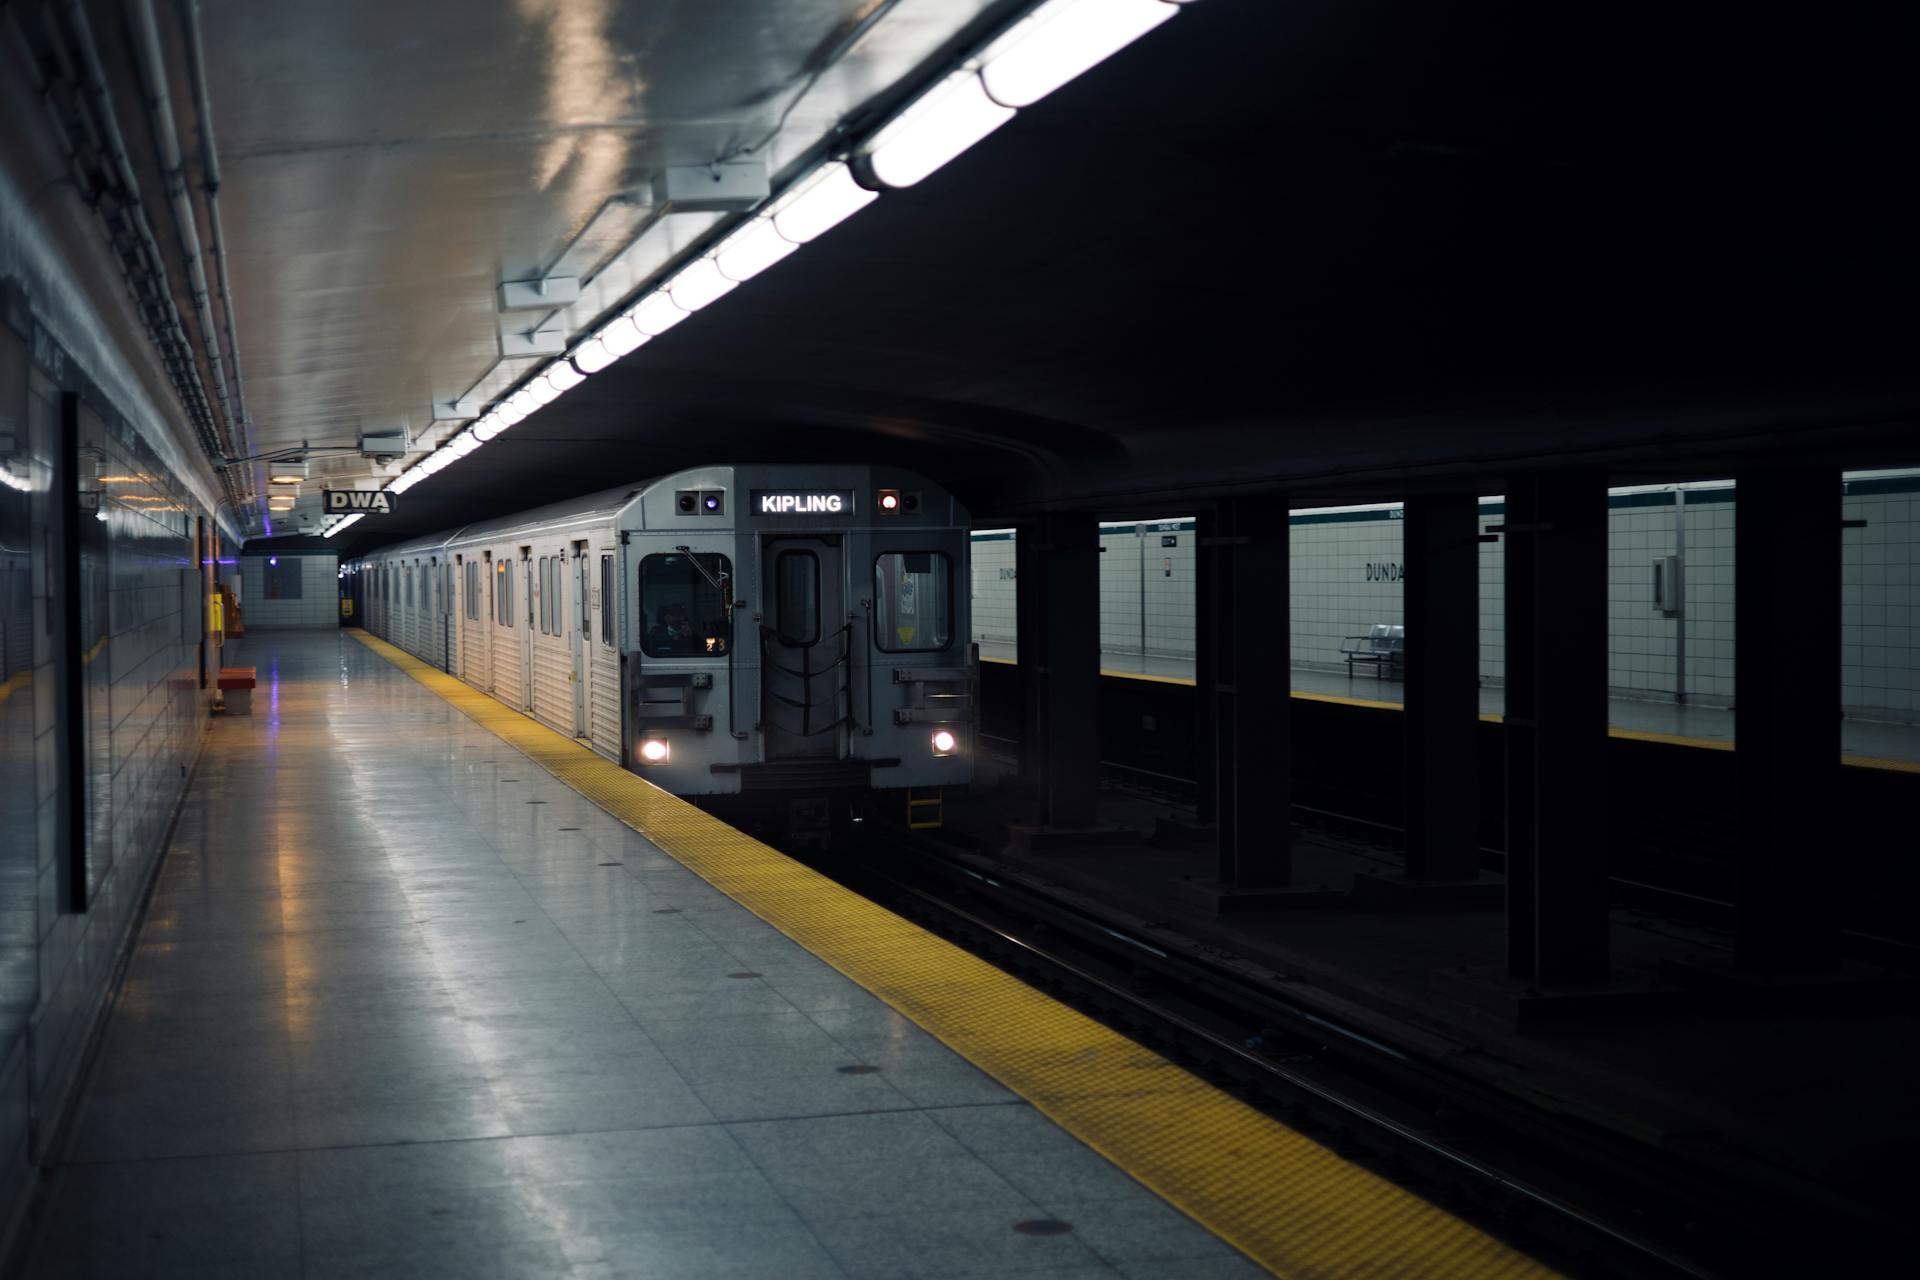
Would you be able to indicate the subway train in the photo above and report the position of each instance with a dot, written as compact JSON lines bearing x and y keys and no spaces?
{"x":797,"y":637}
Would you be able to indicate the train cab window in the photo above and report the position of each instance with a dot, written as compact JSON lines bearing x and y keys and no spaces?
{"x":683,"y":605}
{"x":503,"y":593}
{"x":606,"y":599}
{"x":912,"y":601}
{"x":796,"y":597}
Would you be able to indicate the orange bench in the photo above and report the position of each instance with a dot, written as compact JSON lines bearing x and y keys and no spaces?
{"x":236,"y":690}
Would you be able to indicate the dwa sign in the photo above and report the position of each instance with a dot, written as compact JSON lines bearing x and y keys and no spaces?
{"x":340,"y":502}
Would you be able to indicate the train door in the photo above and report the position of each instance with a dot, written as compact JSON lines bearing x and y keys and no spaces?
{"x":490,"y":572}
{"x":580,"y":628}
{"x":456,"y":616}
{"x":526,"y":634}
{"x":804,"y":645}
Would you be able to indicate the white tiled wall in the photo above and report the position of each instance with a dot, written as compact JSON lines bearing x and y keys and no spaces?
{"x":1345,"y":570}
{"x":1345,"y":563}
{"x":993,"y":586}
{"x":1880,"y":603}
{"x":319,"y":602}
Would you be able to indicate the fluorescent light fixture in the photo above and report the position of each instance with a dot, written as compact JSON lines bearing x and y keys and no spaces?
{"x":279,"y":504}
{"x":622,"y":336}
{"x":751,"y":250}
{"x":343,"y":524}
{"x":656,"y":314}
{"x":563,"y":377}
{"x":1061,"y":39}
{"x":289,"y":487}
{"x":543,"y":392}
{"x":822,"y":202}
{"x":487,"y":428}
{"x":698,"y":284}
{"x":464,"y":443}
{"x":592,"y":355}
{"x":506,"y":415}
{"x":942,"y":123}
{"x":524,"y":402}
{"x":287,"y":472}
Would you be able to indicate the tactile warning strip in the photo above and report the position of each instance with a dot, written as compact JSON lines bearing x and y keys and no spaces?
{"x":1286,"y":1201}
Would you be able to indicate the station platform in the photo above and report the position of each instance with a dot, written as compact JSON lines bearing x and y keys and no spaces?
{"x":1864,"y":741}
{"x":427,"y":989}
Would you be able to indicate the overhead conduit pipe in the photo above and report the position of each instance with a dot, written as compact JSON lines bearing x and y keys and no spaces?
{"x":141,"y":261}
{"x":210,"y":185}
{"x":166,"y":140}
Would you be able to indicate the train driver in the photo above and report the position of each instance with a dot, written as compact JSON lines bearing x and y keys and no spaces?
{"x":673,"y":633}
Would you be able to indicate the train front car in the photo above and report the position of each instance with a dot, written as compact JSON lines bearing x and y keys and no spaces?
{"x":798,"y":640}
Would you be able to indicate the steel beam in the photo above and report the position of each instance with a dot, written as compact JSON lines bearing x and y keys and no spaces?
{"x":1441,"y":585}
{"x":1555,"y":535}
{"x":1787,"y":551}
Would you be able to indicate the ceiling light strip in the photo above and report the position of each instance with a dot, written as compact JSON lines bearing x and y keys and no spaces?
{"x":1051,"y":45}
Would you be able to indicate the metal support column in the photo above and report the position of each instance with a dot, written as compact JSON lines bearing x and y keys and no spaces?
{"x":1786,"y":714}
{"x":1058,"y":601}
{"x":1555,"y":535}
{"x":1246,"y":686}
{"x":1442,"y":582}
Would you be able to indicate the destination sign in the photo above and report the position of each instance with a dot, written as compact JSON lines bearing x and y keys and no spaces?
{"x":340,"y":502}
{"x":802,"y":502}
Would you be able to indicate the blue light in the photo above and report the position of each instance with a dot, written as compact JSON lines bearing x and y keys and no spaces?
{"x":273,"y":559}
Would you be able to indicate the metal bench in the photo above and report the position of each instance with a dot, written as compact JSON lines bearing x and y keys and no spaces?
{"x":1384,"y":646}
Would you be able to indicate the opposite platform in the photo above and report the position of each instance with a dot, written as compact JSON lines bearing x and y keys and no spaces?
{"x":407,"y":1004}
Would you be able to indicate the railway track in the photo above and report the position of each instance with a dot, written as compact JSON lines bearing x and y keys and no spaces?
{"x":1634,"y":891}
{"x":1581,"y":1198}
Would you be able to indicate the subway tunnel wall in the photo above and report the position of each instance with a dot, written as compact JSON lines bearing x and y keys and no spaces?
{"x":1346,"y":567}
{"x":102,"y":622}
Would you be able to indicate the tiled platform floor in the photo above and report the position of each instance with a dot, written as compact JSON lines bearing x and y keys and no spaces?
{"x":1874,"y":739}
{"x":406,"y":1005}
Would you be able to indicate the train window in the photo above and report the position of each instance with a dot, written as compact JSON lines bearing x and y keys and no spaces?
{"x":606,"y":599}
{"x":796,"y":597}
{"x":555,"y":626}
{"x":473,"y":590}
{"x":503,"y":592}
{"x":406,"y":585}
{"x":683,"y":604}
{"x":546,"y":596}
{"x":913,"y":601}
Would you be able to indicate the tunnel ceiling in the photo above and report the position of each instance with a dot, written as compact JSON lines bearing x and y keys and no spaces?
{"x":1342,"y":247}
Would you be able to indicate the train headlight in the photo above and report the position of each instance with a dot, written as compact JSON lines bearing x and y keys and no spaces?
{"x":944,"y":743}
{"x":655,"y":751}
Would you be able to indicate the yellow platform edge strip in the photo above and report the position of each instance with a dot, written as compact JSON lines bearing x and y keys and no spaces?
{"x":1284,"y":1200}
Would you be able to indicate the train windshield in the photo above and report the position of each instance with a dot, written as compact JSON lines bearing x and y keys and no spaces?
{"x":683,"y":605}
{"x":913,"y":601}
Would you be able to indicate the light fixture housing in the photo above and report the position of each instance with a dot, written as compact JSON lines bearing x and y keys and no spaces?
{"x":821,"y":202}
{"x":940,"y":125}
{"x":655,"y":751}
{"x":287,"y":471}
{"x":656,"y":313}
{"x":563,"y":377}
{"x":1060,"y":40}
{"x":944,"y":741}
{"x":700,"y":282}
{"x":751,"y":249}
